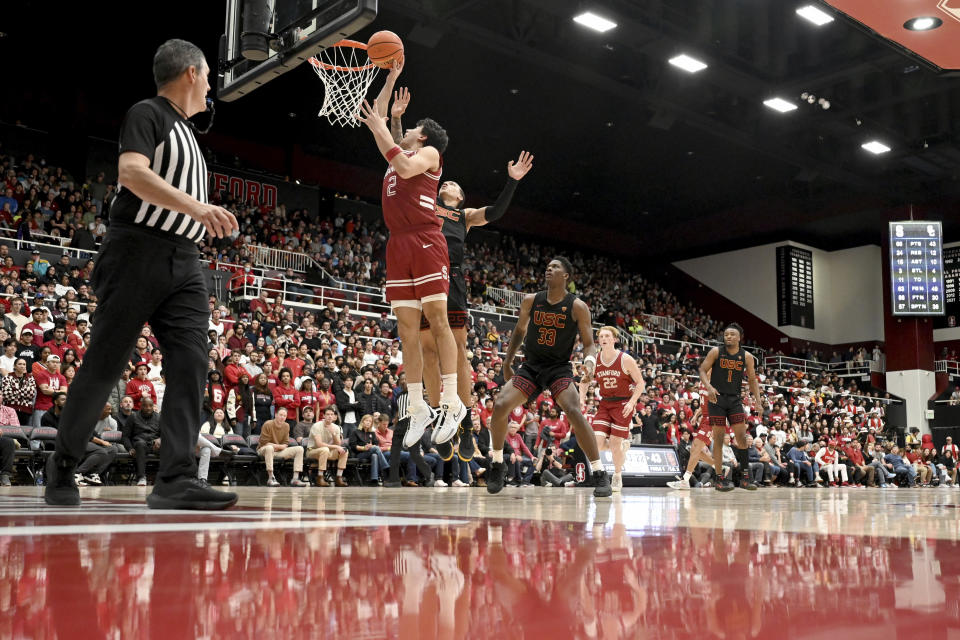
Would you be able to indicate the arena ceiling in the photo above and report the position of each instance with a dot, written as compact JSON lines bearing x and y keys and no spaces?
{"x":677,"y":163}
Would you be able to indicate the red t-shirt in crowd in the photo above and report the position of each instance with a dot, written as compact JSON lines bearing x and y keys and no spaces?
{"x":136,"y":388}
{"x":218,"y":396}
{"x":309,"y":399}
{"x":324,"y":400}
{"x":558,"y":428}
{"x":287,"y":397}
{"x":550,"y":401}
{"x":295,"y":365}
{"x":57,"y":383}
{"x":231,"y":375}
{"x":485,"y":417}
{"x":58,"y":349}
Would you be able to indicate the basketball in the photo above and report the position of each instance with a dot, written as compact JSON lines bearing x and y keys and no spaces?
{"x":383,"y":48}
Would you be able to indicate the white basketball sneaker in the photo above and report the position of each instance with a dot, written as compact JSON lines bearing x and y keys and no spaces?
{"x":617,"y":483}
{"x":449,"y":422}
{"x":679,"y":483}
{"x":419,"y":420}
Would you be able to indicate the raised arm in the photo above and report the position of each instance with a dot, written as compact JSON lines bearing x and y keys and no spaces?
{"x":382,"y":100}
{"x":426,"y":159}
{"x":401,"y":100}
{"x":515,"y":173}
{"x":705,"y":366}
{"x":516,"y":339}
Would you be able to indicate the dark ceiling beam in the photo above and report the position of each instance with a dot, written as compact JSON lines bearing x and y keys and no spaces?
{"x":731,"y":80}
{"x":824,"y":79}
{"x":590,"y":77}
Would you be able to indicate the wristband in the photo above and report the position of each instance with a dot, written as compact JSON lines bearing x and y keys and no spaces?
{"x":394,"y":152}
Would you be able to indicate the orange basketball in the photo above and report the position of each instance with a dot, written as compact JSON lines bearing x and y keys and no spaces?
{"x":383,"y":48}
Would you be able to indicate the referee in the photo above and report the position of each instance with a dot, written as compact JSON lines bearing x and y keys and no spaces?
{"x":148,"y":270}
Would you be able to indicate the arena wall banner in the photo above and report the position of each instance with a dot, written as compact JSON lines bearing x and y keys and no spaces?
{"x":262,"y":189}
{"x":102,"y":156}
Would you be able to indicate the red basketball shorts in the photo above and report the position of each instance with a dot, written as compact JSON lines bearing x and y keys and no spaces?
{"x":705,"y":431}
{"x":418,"y":267}
{"x":610,"y":421}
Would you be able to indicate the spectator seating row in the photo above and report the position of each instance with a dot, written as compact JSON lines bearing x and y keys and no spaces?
{"x":36,"y":444}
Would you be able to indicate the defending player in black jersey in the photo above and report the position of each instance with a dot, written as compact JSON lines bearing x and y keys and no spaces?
{"x":725,"y":367}
{"x":548,"y":326}
{"x":457,"y":222}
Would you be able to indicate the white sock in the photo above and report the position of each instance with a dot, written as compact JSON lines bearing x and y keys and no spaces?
{"x":595,"y":465}
{"x":686,"y":475}
{"x":496,"y":455}
{"x":415,"y":389}
{"x":448,"y":395}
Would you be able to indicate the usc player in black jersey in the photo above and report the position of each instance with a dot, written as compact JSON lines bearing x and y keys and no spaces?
{"x":548,"y":326}
{"x":457,"y":222}
{"x":722,"y":372}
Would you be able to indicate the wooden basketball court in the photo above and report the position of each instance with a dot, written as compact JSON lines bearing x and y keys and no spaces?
{"x":458,"y":563}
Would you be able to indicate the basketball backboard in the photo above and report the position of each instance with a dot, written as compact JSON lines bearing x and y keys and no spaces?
{"x":264,"y":39}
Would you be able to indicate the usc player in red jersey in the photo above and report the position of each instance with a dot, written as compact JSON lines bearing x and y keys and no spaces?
{"x":621,"y":384}
{"x":418,"y":277}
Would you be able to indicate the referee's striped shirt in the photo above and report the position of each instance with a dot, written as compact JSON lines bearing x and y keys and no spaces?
{"x":403,"y":402}
{"x":155,"y":129}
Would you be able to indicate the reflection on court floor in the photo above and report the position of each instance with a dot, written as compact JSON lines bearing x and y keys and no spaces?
{"x":358,"y":563}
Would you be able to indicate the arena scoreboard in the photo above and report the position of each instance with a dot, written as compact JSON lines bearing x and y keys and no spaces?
{"x":951,"y":289}
{"x":916,"y":268}
{"x":794,"y":287}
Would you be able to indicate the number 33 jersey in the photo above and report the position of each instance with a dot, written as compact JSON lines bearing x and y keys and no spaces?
{"x":552,"y":331}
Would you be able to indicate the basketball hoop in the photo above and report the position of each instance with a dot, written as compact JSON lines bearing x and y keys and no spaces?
{"x":347,"y":73}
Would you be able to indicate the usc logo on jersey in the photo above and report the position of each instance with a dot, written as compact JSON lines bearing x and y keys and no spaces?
{"x":548,"y":319}
{"x":449,"y":214}
{"x":730,"y":363}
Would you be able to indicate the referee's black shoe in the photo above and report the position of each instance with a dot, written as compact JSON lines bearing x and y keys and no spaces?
{"x":601,"y":484}
{"x":61,"y":489}
{"x":495,"y":477}
{"x":189,"y":493}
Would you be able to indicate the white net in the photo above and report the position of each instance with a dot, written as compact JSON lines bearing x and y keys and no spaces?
{"x":347,"y":73}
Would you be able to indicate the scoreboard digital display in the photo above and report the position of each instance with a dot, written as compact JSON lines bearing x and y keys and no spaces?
{"x":951,"y":289}
{"x":794,"y":287}
{"x":646,"y":460}
{"x":916,"y":268}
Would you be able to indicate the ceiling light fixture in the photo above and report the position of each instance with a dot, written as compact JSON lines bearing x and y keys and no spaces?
{"x":875,"y":147}
{"x":924,"y":23}
{"x":687,"y":63}
{"x":595,"y":22}
{"x":779,"y":104}
{"x":814,"y":15}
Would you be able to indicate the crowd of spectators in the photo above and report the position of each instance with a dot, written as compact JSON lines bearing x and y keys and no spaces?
{"x":269,"y":354}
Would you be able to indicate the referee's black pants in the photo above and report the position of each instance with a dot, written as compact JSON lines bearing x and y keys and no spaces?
{"x":142,"y":276}
{"x":396,"y":445}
